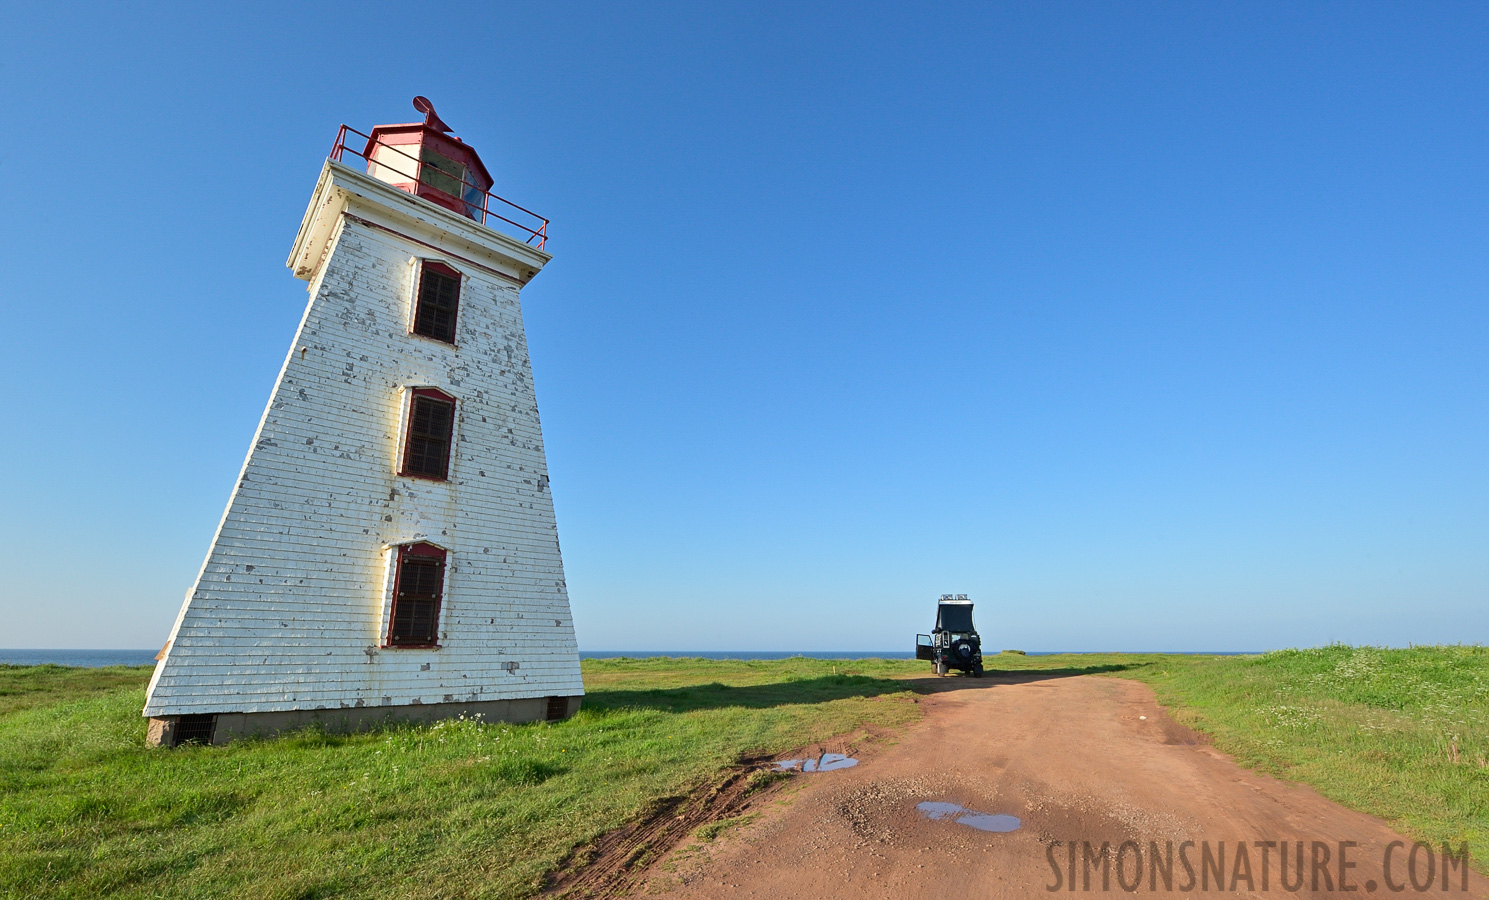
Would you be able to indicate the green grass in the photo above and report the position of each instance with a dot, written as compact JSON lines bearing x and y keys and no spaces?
{"x":458,"y":809}
{"x":22,"y":687}
{"x":464,"y":809}
{"x":1400,"y":734}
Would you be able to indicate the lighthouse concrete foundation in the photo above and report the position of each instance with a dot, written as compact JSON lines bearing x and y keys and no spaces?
{"x":223,"y":728}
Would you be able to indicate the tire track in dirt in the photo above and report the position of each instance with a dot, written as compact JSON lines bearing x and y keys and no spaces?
{"x":623,"y":859}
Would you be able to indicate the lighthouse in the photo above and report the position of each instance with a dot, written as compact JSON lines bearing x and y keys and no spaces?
{"x":389,"y":551}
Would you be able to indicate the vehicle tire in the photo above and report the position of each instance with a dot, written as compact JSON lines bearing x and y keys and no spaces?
{"x":977,"y":671}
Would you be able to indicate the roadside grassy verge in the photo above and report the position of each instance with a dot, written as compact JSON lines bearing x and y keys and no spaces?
{"x":1399,"y":734}
{"x":459,"y":809}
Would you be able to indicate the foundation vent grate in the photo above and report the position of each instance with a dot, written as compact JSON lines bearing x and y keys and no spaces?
{"x":195,"y":729}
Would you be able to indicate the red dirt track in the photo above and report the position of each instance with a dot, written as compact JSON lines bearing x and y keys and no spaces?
{"x":1072,"y":757}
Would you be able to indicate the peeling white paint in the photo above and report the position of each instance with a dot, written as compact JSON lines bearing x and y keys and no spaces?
{"x":289,"y":608}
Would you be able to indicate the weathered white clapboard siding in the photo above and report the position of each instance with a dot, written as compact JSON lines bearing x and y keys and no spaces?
{"x":290,"y":607}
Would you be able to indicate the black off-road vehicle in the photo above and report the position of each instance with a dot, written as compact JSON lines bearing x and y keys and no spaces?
{"x":954,"y":643}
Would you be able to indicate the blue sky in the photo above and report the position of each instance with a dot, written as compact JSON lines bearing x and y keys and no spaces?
{"x":1150,"y":326}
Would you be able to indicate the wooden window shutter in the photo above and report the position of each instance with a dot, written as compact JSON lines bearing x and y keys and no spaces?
{"x":418,"y":591}
{"x":437,"y":301}
{"x":431,"y":428}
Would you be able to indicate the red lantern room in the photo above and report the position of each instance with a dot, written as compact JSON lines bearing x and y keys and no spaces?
{"x":425,"y":160}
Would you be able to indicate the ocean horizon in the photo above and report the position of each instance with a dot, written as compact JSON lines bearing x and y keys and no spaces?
{"x":92,"y":659}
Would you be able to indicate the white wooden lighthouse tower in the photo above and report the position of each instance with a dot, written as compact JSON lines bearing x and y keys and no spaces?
{"x":389,"y":550}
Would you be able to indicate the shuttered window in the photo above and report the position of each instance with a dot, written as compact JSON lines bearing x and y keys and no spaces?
{"x":438,"y":301}
{"x":418,"y":588}
{"x":431,"y":424}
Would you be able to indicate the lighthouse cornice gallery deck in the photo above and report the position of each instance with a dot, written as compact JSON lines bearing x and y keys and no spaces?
{"x":390,"y":549}
{"x":341,"y":190}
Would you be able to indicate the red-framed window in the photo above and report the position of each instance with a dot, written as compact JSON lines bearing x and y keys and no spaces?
{"x":431,"y":427}
{"x":418,"y":590}
{"x":437,"y":301}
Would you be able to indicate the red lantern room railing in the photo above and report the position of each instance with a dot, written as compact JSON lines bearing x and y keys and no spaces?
{"x":425,"y":160}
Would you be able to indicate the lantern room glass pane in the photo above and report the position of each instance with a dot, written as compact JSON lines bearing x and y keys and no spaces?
{"x":474,"y":202}
{"x":442,"y":173}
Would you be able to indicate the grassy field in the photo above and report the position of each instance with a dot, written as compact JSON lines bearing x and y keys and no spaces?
{"x":460,"y":809}
{"x":467,"y":809}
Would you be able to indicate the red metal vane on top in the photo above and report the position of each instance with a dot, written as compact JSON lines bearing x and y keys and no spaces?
{"x":431,"y":118}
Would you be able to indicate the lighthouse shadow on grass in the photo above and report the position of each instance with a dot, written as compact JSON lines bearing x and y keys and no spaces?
{"x":813,"y":690}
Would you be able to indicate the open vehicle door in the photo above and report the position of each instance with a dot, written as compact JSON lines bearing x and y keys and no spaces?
{"x":925,"y":647}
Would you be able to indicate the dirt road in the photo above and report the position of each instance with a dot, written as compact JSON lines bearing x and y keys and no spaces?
{"x":1080,"y":761}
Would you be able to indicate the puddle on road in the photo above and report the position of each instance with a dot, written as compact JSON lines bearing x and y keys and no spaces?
{"x":831,"y":761}
{"x":989,"y":822}
{"x":937,"y":810}
{"x":827,"y":762}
